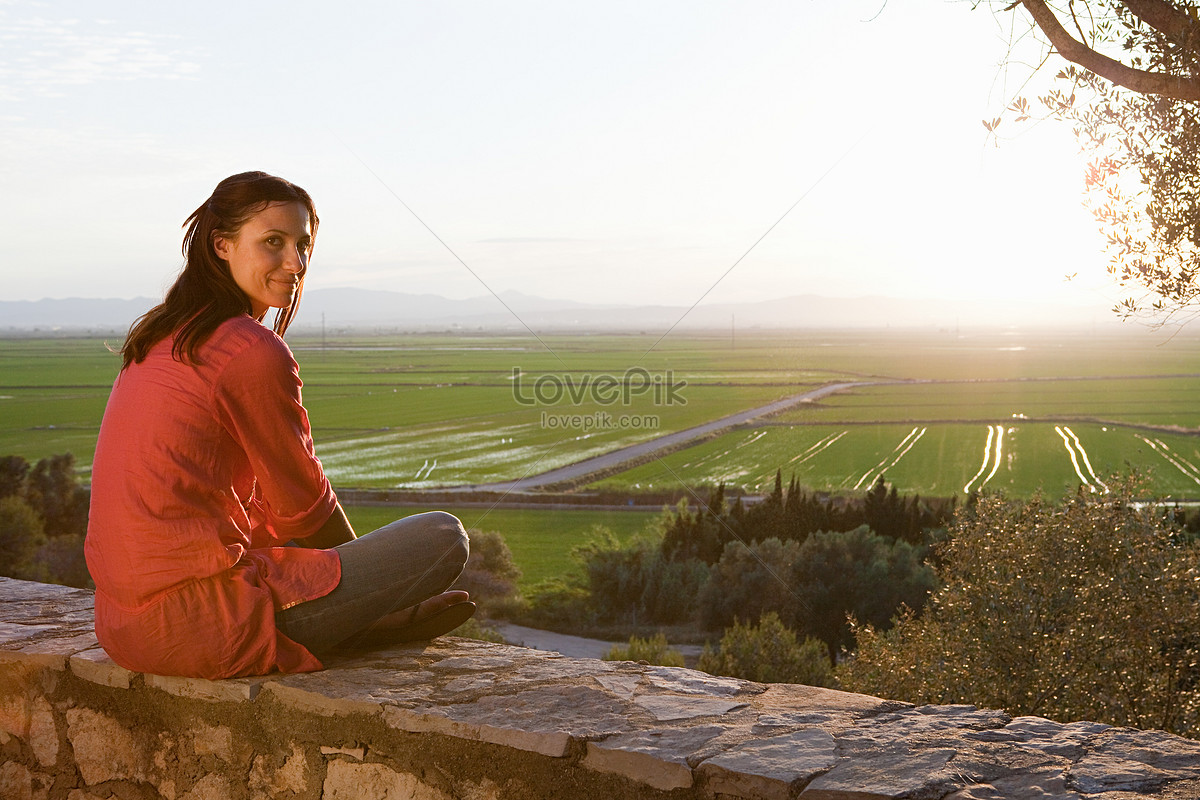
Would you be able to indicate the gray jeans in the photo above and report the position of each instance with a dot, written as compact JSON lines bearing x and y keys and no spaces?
{"x":399,"y":565}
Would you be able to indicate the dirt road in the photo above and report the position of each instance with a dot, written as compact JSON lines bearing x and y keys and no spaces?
{"x":573,"y":473}
{"x":573,"y":646}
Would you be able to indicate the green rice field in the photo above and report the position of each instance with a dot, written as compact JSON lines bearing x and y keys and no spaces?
{"x":931,"y":459}
{"x":944,"y":411}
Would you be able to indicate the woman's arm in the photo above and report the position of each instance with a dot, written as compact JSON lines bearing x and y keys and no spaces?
{"x":335,"y":531}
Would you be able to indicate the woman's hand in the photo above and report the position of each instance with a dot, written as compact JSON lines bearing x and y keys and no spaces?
{"x":335,"y":531}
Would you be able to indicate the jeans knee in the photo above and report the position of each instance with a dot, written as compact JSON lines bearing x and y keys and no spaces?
{"x":450,"y":532}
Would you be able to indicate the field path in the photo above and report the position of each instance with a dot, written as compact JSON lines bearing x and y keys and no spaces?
{"x":602,"y":463}
{"x":574,"y":646}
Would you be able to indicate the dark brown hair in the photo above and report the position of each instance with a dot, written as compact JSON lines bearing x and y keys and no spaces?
{"x":205,"y":293}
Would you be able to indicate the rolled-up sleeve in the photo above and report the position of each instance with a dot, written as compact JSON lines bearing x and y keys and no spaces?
{"x":257,"y":398}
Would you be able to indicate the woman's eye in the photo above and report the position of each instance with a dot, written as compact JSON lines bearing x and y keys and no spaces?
{"x":274,"y":241}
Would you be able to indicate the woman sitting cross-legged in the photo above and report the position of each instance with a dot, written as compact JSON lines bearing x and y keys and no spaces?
{"x":205,"y":472}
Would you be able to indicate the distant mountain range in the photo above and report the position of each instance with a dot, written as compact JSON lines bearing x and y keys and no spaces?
{"x":339,"y":309}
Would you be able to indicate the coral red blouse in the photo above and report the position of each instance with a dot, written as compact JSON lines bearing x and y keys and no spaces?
{"x":202,"y":473}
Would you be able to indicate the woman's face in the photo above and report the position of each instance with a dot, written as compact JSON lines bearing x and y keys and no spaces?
{"x":269,"y":255}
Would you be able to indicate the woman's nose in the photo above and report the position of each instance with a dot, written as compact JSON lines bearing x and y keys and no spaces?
{"x":297,"y":262}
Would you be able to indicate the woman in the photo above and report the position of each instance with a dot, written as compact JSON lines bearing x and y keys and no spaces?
{"x":205,"y":470}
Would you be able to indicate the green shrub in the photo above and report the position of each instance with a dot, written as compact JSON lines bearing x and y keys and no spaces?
{"x":490,"y":574}
{"x":635,"y":583}
{"x":768,"y":652}
{"x":855,"y":573}
{"x":22,"y":535}
{"x":43,"y":519}
{"x":814,"y":585}
{"x":653,"y":651}
{"x":1086,"y":610}
{"x":61,"y":560}
{"x":474,"y":629}
{"x":747,"y":582}
{"x":557,"y":604}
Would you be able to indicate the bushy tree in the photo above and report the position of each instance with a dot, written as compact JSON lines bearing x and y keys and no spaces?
{"x":22,"y":534}
{"x":490,"y":574}
{"x":701,"y":535}
{"x":855,"y":573}
{"x":13,"y":471}
{"x":815,"y":585}
{"x":483,"y":631}
{"x":61,"y":560}
{"x":653,"y":650}
{"x":794,"y":514}
{"x":768,"y":652}
{"x":558,"y":604}
{"x":1087,"y":610}
{"x":749,"y":581}
{"x":1132,"y":95}
{"x":52,"y":488}
{"x":636,"y":583}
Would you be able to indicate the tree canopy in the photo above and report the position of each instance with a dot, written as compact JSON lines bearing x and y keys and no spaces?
{"x":1086,"y":610}
{"x":1132,"y":93}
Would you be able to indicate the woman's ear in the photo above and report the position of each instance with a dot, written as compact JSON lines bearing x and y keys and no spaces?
{"x":221,"y":245}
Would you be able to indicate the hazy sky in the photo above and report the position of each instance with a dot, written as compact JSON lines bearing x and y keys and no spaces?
{"x":600,"y":152}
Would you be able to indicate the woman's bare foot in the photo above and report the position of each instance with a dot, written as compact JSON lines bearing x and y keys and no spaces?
{"x":421,"y":611}
{"x":428,"y":619}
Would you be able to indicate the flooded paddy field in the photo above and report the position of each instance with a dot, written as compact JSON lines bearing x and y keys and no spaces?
{"x":936,"y":412}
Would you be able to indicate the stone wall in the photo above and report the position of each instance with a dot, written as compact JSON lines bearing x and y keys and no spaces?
{"x":467,"y":720}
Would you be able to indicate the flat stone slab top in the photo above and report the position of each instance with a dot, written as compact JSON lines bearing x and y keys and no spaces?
{"x":671,"y":732}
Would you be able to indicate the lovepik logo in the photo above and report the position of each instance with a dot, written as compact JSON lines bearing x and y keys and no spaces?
{"x":603,"y":389}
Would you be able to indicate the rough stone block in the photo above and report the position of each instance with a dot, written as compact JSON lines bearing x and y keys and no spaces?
{"x":210,"y":787}
{"x":16,"y":706}
{"x":363,"y":690}
{"x":52,"y":661}
{"x":214,"y":740}
{"x":67,"y":644}
{"x":313,"y":702}
{"x":539,"y":720}
{"x":1158,"y":749}
{"x":1098,"y":773}
{"x":104,"y":749}
{"x":347,"y":781}
{"x":768,"y":768}
{"x":357,"y":753}
{"x":1036,"y":785}
{"x":468,"y":684}
{"x":13,"y":634}
{"x":290,"y":777}
{"x":551,"y":743}
{"x":622,"y":686}
{"x":668,"y":708}
{"x":16,"y":782}
{"x":233,"y":690}
{"x":545,"y":717}
{"x":83,"y":794}
{"x":43,"y":733}
{"x":771,"y":723}
{"x":424,"y":720}
{"x":474,"y":663}
{"x":888,"y":773}
{"x":94,"y":665}
{"x":657,"y":758}
{"x":690,"y":681}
